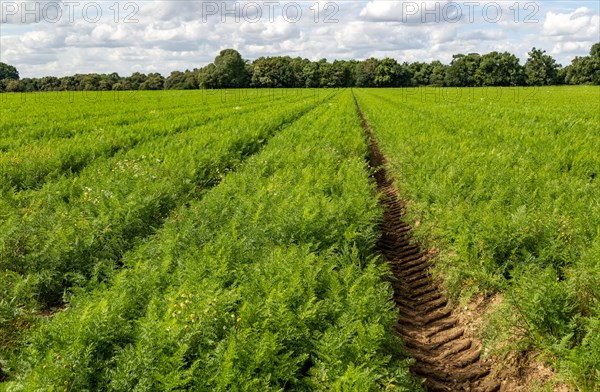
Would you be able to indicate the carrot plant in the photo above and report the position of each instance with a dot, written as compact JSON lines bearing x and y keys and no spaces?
{"x":38,"y":155}
{"x":29,"y":119}
{"x":504,"y":182}
{"x":76,"y":229}
{"x":268,"y":282}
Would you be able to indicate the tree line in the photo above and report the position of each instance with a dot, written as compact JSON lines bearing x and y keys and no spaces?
{"x":230,"y":70}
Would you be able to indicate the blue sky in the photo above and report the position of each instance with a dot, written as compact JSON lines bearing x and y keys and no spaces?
{"x":63,"y":37}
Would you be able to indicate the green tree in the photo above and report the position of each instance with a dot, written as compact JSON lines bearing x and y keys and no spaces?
{"x":230,"y":69}
{"x":438,"y":74}
{"x":595,"y":51}
{"x":108,"y":81}
{"x":89,"y":82}
{"x":386,"y":73}
{"x":333,"y":75}
{"x":297,"y":66}
{"x":68,"y":83}
{"x":285,"y":72}
{"x":181,"y":81}
{"x":389,"y":73}
{"x":340,"y":73}
{"x":420,"y":73}
{"x":364,"y":72}
{"x":27,"y":85}
{"x":585,"y":69}
{"x":311,"y":74}
{"x":499,"y":69}
{"x":207,"y":77}
{"x":122,"y":85}
{"x":462,"y":69}
{"x":270,"y":72}
{"x":8,"y":72}
{"x":49,"y":83}
{"x":155,"y":81}
{"x":541,"y":69}
{"x":14,"y":86}
{"x":594,"y":68}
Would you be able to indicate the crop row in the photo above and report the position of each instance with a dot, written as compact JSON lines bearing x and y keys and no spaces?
{"x":268,"y":282}
{"x":507,"y":191}
{"x":28,"y":163}
{"x":77,"y":228}
{"x":26,"y":122}
{"x":40,"y":117}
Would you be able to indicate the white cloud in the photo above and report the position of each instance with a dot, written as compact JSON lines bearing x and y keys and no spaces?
{"x":171,"y":35}
{"x":572,"y":47}
{"x":581,"y":23}
{"x":279,"y":29}
{"x":483,"y":35}
{"x":410,"y":12}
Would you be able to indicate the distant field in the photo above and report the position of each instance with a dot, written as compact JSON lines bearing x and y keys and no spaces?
{"x":225,"y":240}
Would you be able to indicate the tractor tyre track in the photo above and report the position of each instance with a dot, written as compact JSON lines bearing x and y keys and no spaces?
{"x":446,"y":357}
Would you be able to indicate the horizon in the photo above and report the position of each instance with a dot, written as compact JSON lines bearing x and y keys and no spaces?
{"x":58,"y":38}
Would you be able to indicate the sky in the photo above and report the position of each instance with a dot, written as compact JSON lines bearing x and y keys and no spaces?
{"x":65,"y":37}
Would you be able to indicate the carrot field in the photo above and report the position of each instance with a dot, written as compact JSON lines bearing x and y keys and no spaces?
{"x":235,"y":240}
{"x":502,"y":184}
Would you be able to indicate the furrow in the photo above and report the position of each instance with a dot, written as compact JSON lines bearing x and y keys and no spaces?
{"x":445,"y":357}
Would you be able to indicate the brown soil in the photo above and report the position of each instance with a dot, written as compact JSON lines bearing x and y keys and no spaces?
{"x":447,"y":357}
{"x":440,"y":337}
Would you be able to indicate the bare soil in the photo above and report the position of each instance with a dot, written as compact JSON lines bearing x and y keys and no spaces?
{"x":441,"y":337}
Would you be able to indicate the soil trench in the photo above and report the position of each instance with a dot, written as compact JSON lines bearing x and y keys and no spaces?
{"x":446,"y":357}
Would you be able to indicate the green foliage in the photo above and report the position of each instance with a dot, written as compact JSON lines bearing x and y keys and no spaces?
{"x":364,"y":72}
{"x":8,"y":72}
{"x":586,"y":69}
{"x":266,"y":282}
{"x":504,"y":184}
{"x":275,"y":72}
{"x":533,"y":314}
{"x":230,"y":70}
{"x":462,"y":69}
{"x":76,"y":226}
{"x":581,"y":364}
{"x":231,"y":248}
{"x":336,"y":74}
{"x":181,"y":81}
{"x":227,"y":71}
{"x":499,"y":69}
{"x":389,"y":73}
{"x":541,"y":69}
{"x":154,"y":81}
